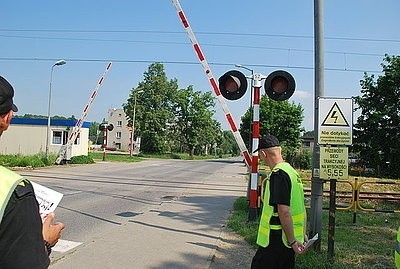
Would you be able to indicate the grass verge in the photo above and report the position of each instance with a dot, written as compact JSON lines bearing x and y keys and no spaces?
{"x":110,"y":157}
{"x":368,"y":243}
{"x":40,"y":160}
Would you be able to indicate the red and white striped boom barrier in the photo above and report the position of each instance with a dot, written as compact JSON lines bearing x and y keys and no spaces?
{"x":207,"y":70}
{"x":65,"y":151}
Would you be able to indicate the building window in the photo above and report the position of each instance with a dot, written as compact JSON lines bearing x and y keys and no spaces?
{"x":57,"y":137}
{"x":118,"y":134}
{"x":119,"y":123}
{"x":78,"y":139}
{"x":306,"y":144}
{"x":61,"y":138}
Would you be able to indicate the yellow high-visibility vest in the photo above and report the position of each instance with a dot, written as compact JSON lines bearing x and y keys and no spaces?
{"x":8,"y":181}
{"x":297,"y":209}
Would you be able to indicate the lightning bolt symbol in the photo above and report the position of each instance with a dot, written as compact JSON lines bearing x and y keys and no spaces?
{"x":334,"y":116}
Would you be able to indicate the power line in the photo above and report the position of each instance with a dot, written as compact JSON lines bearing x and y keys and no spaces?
{"x":188,"y":63}
{"x":186,"y":43}
{"x":200,"y":32}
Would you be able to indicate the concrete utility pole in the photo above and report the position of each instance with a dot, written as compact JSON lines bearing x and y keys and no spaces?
{"x":131,"y":148}
{"x":316,"y":182}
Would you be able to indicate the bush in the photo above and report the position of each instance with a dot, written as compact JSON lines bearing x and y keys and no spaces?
{"x":176,"y":156}
{"x":303,"y":159}
{"x":37,"y":160}
{"x":82,"y":159}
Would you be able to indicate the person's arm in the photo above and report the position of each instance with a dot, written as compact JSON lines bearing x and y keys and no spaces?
{"x":285,"y":217}
{"x":21,"y":238}
{"x":286,"y":221}
{"x":305,"y":225}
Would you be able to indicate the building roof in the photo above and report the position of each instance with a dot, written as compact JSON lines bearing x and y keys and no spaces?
{"x":53,"y":122}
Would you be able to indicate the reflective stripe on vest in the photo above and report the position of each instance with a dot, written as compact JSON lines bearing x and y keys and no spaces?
{"x":397,"y":251}
{"x":297,"y":209}
{"x":8,"y":181}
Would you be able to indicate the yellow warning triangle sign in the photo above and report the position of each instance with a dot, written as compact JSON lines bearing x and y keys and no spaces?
{"x":335,"y":117}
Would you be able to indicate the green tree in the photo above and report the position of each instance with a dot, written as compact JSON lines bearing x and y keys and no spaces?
{"x":279,"y":118}
{"x":377,"y":130}
{"x":94,"y":133}
{"x":229,"y":144}
{"x":194,"y":129}
{"x":303,"y":159}
{"x":154,"y":108}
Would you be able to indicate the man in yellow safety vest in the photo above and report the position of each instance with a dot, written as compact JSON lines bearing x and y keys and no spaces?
{"x":281,"y":231}
{"x":25,"y":242}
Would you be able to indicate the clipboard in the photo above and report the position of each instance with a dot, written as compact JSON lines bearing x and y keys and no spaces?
{"x":311,"y":241}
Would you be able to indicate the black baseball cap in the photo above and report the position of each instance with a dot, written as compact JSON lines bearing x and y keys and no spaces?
{"x":6,"y":97}
{"x":268,"y":141}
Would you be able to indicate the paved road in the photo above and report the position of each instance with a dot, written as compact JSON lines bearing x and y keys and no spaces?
{"x":152,"y":214}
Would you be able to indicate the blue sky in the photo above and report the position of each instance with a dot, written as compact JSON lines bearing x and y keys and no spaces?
{"x":263,"y":35}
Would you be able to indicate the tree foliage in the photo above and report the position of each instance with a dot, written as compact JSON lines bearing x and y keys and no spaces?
{"x":34,"y":116}
{"x":377,"y":129}
{"x":94,"y":133}
{"x":279,"y":118}
{"x":193,"y":122}
{"x":169,"y":119}
{"x":229,"y":144}
{"x":154,"y":95}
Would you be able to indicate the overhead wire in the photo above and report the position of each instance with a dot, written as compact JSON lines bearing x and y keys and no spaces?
{"x":185,"y":43}
{"x":199,"y":32}
{"x":187,"y":63}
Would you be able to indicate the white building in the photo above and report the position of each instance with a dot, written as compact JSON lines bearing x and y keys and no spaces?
{"x":27,"y":136}
{"x":120,"y":137}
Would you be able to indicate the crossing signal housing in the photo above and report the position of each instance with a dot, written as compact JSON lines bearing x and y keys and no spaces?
{"x":110,"y":127}
{"x":103,"y":126}
{"x":279,"y":85}
{"x":233,"y":85}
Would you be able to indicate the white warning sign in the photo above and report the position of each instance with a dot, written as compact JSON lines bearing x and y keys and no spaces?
{"x":334,"y":162}
{"x":335,"y":121}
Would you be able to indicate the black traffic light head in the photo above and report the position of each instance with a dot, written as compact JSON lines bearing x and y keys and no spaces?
{"x":233,"y":85}
{"x":102,"y":126}
{"x":110,"y":127}
{"x":279,"y":85}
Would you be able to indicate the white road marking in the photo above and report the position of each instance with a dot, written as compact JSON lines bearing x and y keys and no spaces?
{"x":64,"y":245}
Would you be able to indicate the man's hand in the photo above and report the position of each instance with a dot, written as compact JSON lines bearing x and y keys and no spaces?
{"x":299,"y":248}
{"x":52,"y":232}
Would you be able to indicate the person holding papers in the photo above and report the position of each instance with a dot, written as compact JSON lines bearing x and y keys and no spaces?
{"x":25,"y":242}
{"x":281,"y":231}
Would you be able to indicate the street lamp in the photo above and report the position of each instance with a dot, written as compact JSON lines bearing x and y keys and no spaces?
{"x":133,"y":121}
{"x":60,"y":62}
{"x":244,"y":67}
